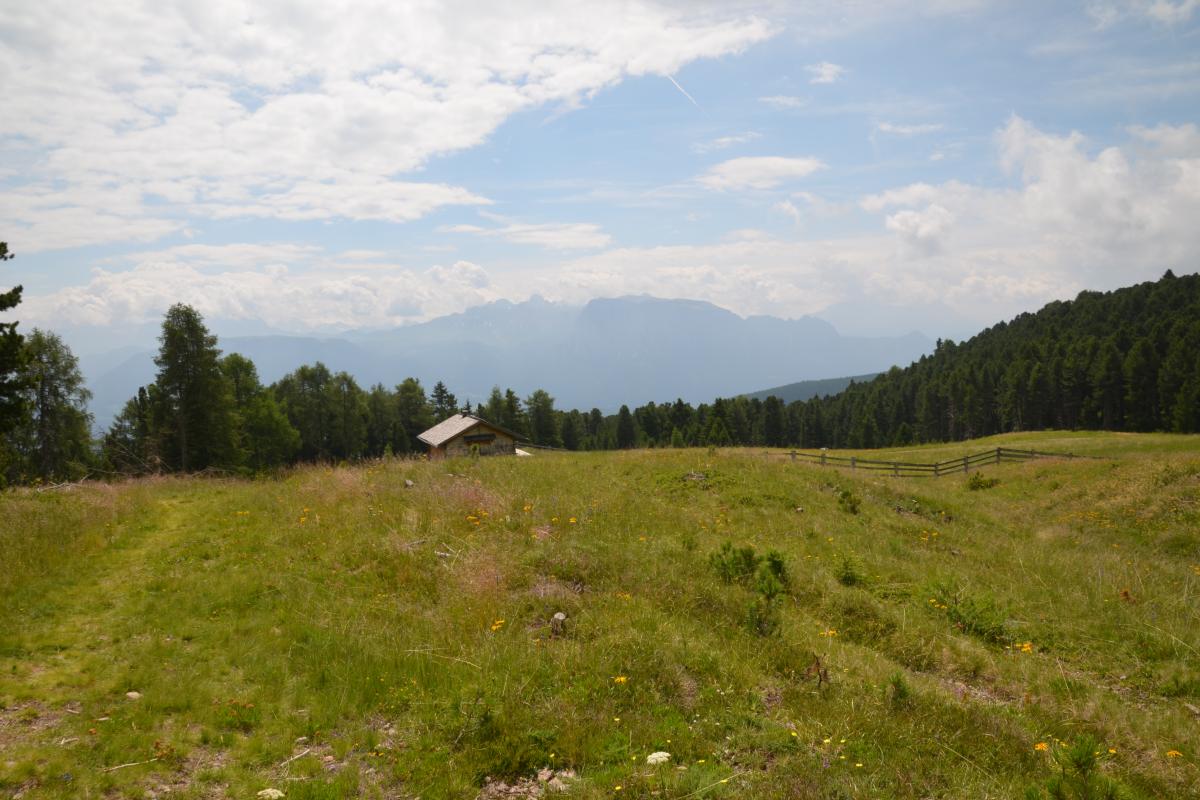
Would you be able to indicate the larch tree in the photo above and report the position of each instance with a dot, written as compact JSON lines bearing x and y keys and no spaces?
{"x":53,"y":440}
{"x":198,"y":424}
{"x":266,"y":439}
{"x":12,"y":358}
{"x":416,"y":415}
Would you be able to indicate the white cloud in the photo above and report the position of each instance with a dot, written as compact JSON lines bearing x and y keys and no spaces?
{"x":1171,"y":13}
{"x":1073,"y":220}
{"x":300,"y":290}
{"x":138,"y":117}
{"x":824,"y":72}
{"x":789,"y":209}
{"x":550,"y":235}
{"x":723,"y":142}
{"x":1171,"y":140}
{"x":784,"y":101}
{"x":1164,"y":12}
{"x":758,"y":172}
{"x":907,"y":130}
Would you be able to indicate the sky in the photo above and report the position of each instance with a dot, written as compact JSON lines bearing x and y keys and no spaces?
{"x":312,"y":167}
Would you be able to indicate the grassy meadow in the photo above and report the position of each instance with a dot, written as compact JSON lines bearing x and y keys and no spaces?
{"x":337,"y":633}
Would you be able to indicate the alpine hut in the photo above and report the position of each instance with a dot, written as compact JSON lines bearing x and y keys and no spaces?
{"x":461,"y":434}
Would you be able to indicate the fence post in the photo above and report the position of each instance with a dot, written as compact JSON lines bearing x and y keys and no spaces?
{"x":853,"y":462}
{"x":822,"y":456}
{"x":895,"y":470}
{"x":966,"y":464}
{"x":937,"y":469}
{"x":997,"y":455}
{"x":793,"y":454}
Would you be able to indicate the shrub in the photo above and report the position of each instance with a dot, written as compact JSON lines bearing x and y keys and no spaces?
{"x":980,"y":616}
{"x":977,"y":482}
{"x":775,"y":564}
{"x":763,"y":616}
{"x":735,"y":564}
{"x":848,"y":572}
{"x":898,"y":692}
{"x":1079,"y":776}
{"x":848,"y":501}
{"x":767,"y":584}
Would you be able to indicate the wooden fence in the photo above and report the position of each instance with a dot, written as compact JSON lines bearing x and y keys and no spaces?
{"x":907,"y":469}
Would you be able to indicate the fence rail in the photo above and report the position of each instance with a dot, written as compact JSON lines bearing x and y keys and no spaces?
{"x":908,"y":469}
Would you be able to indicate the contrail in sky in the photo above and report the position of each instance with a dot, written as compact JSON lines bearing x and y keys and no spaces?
{"x":671,"y":78}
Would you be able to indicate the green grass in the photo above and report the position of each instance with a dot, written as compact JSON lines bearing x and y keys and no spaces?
{"x":335,"y":634}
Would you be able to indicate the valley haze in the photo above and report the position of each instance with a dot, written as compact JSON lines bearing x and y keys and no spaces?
{"x":604,"y":354}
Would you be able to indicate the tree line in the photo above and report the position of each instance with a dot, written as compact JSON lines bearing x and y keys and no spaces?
{"x":1123,"y":360}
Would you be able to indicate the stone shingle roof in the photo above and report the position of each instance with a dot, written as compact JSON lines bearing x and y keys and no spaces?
{"x":450,"y":427}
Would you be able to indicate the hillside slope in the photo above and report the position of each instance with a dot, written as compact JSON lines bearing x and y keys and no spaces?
{"x":336,"y":634}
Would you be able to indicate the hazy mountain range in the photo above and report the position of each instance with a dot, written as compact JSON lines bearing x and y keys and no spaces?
{"x":603,"y":354}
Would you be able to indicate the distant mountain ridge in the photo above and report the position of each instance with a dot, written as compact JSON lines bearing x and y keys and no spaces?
{"x":609,"y":352}
{"x":806,"y":390}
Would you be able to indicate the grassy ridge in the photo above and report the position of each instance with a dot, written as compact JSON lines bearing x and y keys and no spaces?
{"x":337,"y":634}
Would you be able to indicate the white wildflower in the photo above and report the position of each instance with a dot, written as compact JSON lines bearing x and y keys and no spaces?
{"x":270,"y":794}
{"x":658,"y":758}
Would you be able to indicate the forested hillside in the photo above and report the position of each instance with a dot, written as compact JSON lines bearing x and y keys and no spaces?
{"x":1122,"y":360}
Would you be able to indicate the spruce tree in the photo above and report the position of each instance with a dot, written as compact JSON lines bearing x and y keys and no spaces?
{"x":445,"y":404}
{"x":626,"y":432}
{"x":543,"y":423}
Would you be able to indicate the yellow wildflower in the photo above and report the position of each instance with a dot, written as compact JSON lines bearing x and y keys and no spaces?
{"x":1041,"y":747}
{"x":1174,"y":754}
{"x":497,"y":625}
{"x":621,"y":679}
